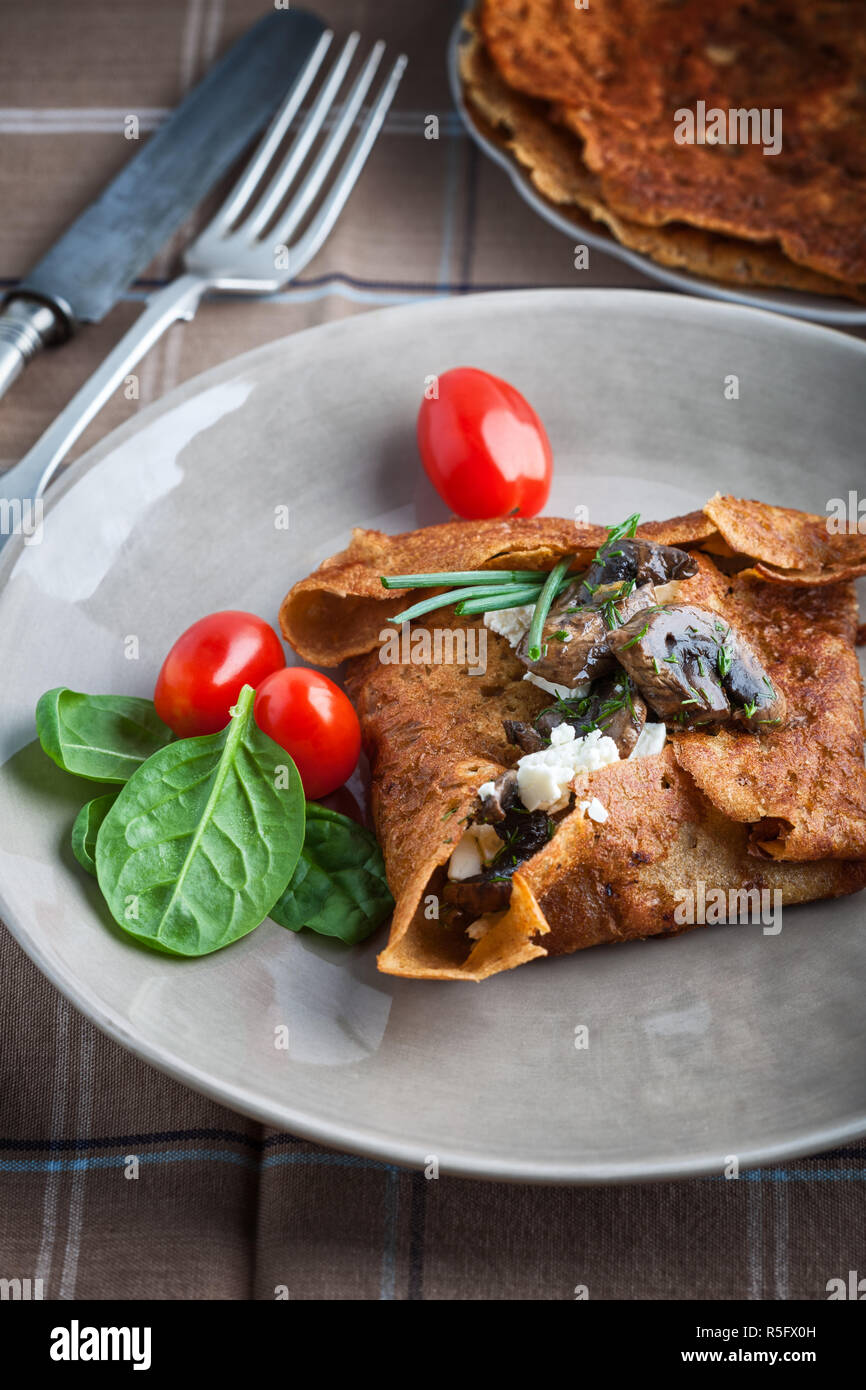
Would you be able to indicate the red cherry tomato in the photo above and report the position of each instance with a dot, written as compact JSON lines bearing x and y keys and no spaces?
{"x":311,"y":718}
{"x":483,"y":447}
{"x":209,"y":665}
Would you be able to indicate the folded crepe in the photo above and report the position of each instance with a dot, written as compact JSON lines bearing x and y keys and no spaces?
{"x":530,"y":131}
{"x":618,"y":74}
{"x":780,"y":810}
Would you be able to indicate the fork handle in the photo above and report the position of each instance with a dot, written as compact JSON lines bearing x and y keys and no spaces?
{"x":29,"y":478}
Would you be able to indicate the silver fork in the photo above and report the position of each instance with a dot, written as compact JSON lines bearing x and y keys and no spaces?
{"x":233,"y":253}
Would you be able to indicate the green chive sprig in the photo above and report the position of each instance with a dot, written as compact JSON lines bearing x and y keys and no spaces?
{"x":485,"y":594}
{"x":515,"y":598}
{"x":542,"y":607}
{"x":488,"y":591}
{"x":626,"y":529}
{"x":478,"y":591}
{"x":438,"y":580}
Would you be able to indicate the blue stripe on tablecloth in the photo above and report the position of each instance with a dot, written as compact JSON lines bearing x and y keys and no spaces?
{"x":318,"y":1159}
{"x":163,"y":1136}
{"x":95,"y":1161}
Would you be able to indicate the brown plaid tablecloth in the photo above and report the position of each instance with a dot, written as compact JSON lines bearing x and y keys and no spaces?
{"x":225,"y":1208}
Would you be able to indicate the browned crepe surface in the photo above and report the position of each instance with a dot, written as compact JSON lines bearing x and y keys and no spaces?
{"x":800,"y":788}
{"x":620,"y":880}
{"x":619,"y":70}
{"x":553,"y":157}
{"x":783,"y":810}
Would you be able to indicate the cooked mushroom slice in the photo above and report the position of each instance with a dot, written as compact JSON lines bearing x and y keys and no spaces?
{"x":620,"y":712}
{"x":693,"y":669}
{"x":523,"y":833}
{"x":574,"y":646}
{"x":643,"y":561}
{"x":613,"y":706}
{"x":522,"y":735}
{"x":757,"y":704}
{"x":496,"y":805}
{"x":466,"y":899}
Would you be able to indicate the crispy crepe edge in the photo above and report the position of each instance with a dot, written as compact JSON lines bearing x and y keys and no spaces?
{"x":576,"y":893}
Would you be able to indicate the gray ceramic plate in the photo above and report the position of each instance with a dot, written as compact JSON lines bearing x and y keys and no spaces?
{"x":583,"y":229}
{"x":723,"y":1042}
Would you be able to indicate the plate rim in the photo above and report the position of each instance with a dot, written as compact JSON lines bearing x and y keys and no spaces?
{"x":366,"y":1142}
{"x":791,"y":304}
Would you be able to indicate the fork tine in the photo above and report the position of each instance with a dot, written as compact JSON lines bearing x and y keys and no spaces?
{"x":321,"y":225}
{"x":273,"y":196}
{"x":272,"y":139}
{"x":318,"y":172}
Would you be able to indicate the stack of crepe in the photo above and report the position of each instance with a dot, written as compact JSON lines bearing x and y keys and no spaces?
{"x":781,"y":810}
{"x":584,"y":98}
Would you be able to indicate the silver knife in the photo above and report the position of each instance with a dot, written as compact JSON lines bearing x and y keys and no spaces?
{"x":88,"y":269}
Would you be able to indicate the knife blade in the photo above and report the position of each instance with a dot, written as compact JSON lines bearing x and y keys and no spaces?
{"x":98,"y":257}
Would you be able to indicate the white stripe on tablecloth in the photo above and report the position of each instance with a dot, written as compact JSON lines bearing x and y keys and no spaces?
{"x":59,"y":1094}
{"x":780,"y":1240}
{"x":755,"y":1238}
{"x":191,"y":43}
{"x":79,"y":120}
{"x":213,"y":27}
{"x":83,"y":1112}
{"x":199,"y":28}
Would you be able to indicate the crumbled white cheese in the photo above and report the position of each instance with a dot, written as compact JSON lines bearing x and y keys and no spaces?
{"x":562,"y":692}
{"x":511,"y":623}
{"x":488,"y":842}
{"x":651,"y":740}
{"x":476,"y":848}
{"x":543,"y":778}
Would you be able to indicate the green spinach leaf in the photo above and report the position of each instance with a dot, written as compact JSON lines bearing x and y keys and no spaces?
{"x":203,"y":838}
{"x":86,"y":829}
{"x":339,"y":886}
{"x":104,"y":738}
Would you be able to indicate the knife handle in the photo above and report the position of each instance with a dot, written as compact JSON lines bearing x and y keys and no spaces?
{"x":29,"y":478}
{"x":26,"y":325}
